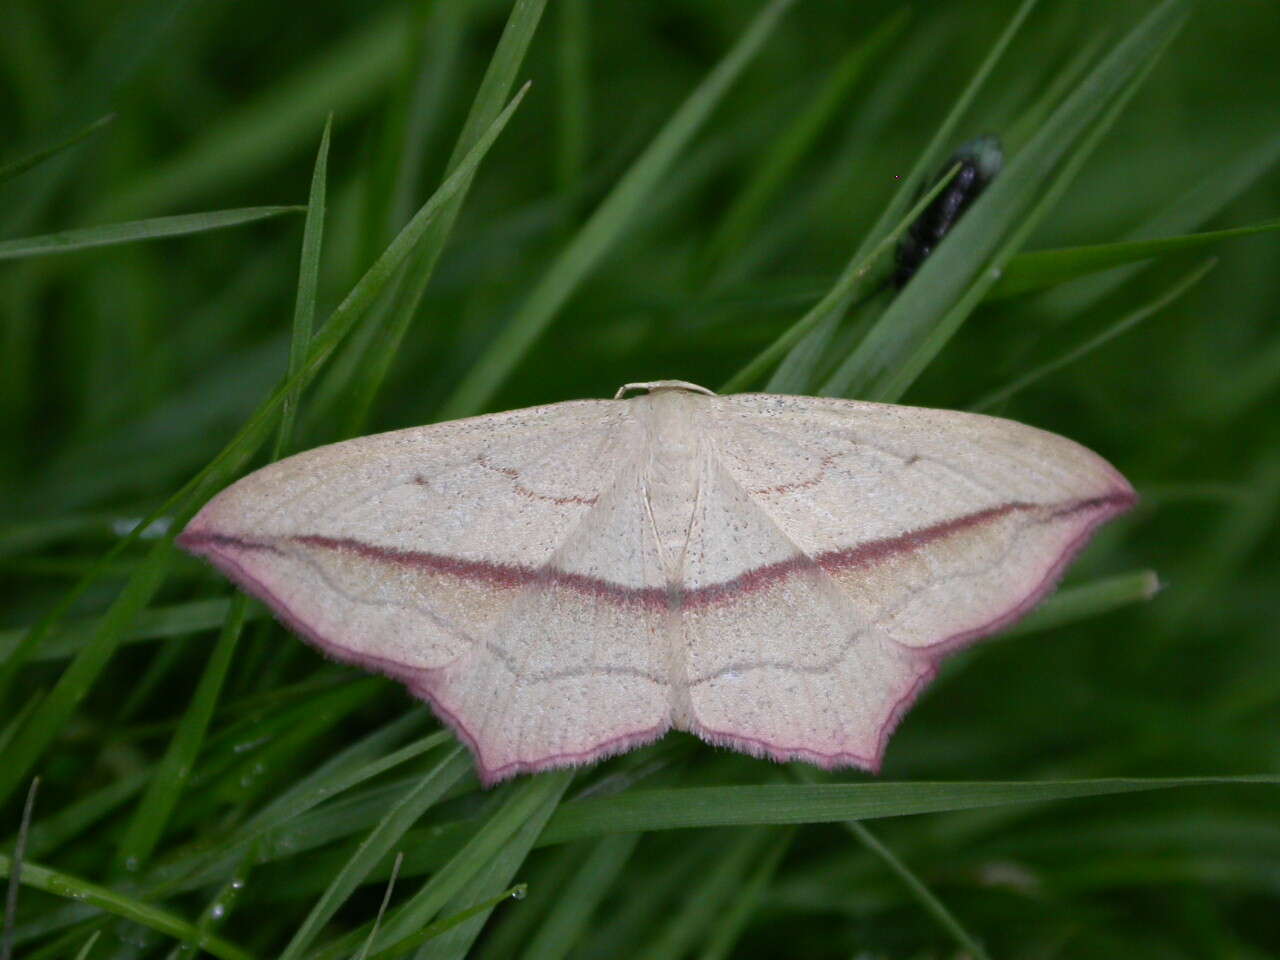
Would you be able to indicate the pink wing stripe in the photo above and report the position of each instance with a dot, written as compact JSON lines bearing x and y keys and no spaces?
{"x":508,"y":576}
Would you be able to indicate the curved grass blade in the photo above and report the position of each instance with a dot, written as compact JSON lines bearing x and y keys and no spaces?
{"x":827,"y":803}
{"x":74,"y":684}
{"x":65,"y":885}
{"x":111,"y":234}
{"x":21,"y":165}
{"x":607,"y":224}
{"x":1040,"y":269}
{"x":1123,"y":325}
{"x":50,"y":832}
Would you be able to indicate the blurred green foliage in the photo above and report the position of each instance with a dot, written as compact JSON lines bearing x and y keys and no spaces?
{"x":682,"y":183}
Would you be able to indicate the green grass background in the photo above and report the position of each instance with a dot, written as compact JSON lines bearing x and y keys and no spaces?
{"x":682,"y":183}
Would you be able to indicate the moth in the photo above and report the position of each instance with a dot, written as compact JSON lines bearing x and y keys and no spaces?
{"x":780,"y":575}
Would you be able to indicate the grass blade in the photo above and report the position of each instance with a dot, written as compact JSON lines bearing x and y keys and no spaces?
{"x":275,"y":826}
{"x":170,"y":778}
{"x":157,"y":804}
{"x":1040,"y":269}
{"x":827,"y":803}
{"x":382,"y":907}
{"x":88,"y":945}
{"x":422,"y":85}
{"x":21,"y":165}
{"x":111,"y":234}
{"x":64,"y":885}
{"x":439,"y":927}
{"x":494,"y":90}
{"x":304,"y":309}
{"x":175,"y":620}
{"x":1073,"y":604}
{"x":607,"y":224}
{"x":932,"y":905}
{"x":1233,"y":538}
{"x":15,"y":873}
{"x":496,"y":873}
{"x":381,"y":840}
{"x":1208,"y":196}
{"x":462,"y":881}
{"x":1123,"y":325}
{"x":118,"y":54}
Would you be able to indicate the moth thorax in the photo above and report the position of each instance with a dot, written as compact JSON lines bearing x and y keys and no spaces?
{"x":672,"y":473}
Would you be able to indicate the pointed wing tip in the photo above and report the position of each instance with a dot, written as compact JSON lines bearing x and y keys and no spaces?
{"x":193,"y":541}
{"x":1092,"y":513}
